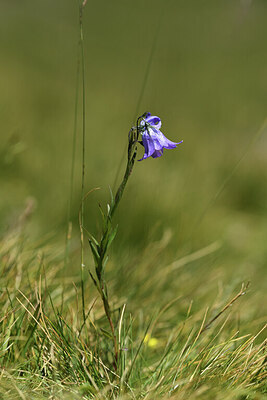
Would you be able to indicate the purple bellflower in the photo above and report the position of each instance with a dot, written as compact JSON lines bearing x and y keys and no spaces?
{"x":153,"y":139}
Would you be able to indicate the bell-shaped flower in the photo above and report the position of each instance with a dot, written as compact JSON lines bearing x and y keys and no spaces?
{"x":153,"y":139}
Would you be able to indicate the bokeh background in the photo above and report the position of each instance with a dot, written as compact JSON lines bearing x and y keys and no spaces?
{"x":207,"y":81}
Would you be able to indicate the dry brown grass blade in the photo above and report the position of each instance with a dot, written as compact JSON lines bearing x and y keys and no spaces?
{"x":241,"y":293}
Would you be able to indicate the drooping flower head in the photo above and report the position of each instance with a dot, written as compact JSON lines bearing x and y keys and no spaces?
{"x":153,"y":139}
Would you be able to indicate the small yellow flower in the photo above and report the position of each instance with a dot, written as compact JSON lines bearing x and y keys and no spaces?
{"x":151,"y":341}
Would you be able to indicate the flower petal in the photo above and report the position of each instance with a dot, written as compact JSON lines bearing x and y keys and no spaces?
{"x":157,"y":153}
{"x":153,"y":120}
{"x":148,"y":144}
{"x":154,"y":136}
{"x":166,"y":143}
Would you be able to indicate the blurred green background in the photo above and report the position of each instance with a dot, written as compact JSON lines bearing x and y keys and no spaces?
{"x":207,"y":82}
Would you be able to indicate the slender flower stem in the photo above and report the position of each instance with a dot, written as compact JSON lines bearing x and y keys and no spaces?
{"x":131,"y":159}
{"x":99,"y":249}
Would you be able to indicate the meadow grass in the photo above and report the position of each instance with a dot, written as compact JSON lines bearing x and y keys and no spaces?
{"x":181,"y":350}
{"x":185,"y":273}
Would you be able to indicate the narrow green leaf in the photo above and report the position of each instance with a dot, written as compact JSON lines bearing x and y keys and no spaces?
{"x":105,"y":262}
{"x":111,"y":237}
{"x":6,"y":339}
{"x":111,"y":196}
{"x":93,"y":240}
{"x":102,"y":213}
{"x":95,"y":282}
{"x":106,"y":333}
{"x":94,"y":252}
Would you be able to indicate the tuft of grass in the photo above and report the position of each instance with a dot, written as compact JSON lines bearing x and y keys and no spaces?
{"x":46,"y":350}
